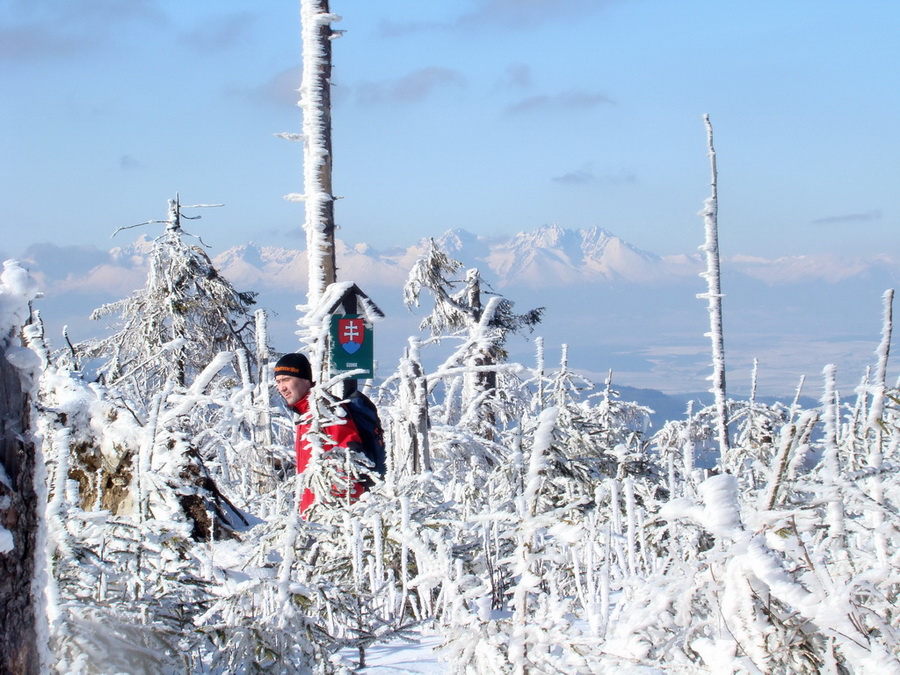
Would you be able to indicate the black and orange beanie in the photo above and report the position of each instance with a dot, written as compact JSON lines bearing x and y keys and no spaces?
{"x":295,"y":365}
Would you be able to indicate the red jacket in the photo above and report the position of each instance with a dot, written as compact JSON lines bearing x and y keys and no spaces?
{"x":342,"y":435}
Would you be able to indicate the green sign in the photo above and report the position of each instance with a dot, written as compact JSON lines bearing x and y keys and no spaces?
{"x":351,"y":345}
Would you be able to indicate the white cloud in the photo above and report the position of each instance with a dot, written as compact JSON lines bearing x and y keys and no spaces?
{"x":568,"y":100}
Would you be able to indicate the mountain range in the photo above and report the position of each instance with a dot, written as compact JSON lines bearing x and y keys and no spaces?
{"x":615,"y":307}
{"x":550,"y":256}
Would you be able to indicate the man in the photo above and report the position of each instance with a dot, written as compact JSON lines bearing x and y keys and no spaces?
{"x":293,"y":378}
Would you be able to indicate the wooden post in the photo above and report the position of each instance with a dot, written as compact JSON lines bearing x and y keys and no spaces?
{"x":350,"y":306}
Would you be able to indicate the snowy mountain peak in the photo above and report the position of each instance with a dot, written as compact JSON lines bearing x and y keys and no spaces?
{"x":553,"y":255}
{"x":244,"y":253}
{"x":595,"y":239}
{"x":456,"y":240}
{"x":546,"y":236}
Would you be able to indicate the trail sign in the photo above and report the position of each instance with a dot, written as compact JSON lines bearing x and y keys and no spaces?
{"x":352,"y":345}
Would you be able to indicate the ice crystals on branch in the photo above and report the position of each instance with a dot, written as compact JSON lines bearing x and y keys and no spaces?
{"x":314,"y":88}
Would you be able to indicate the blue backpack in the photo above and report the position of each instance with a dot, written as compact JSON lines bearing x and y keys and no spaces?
{"x":365,"y":417}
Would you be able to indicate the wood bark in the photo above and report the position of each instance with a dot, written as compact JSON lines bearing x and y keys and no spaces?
{"x":325,"y":170}
{"x":323,"y":84}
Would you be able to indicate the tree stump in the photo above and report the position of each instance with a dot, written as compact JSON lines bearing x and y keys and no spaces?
{"x":19,"y":504}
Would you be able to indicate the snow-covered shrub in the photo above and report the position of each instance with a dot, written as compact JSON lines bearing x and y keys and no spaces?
{"x":794,"y":574}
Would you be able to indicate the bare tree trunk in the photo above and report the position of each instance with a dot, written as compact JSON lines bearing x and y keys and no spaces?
{"x":714,"y":295}
{"x":414,"y":395}
{"x":19,"y":526}
{"x":263,"y":429}
{"x":315,"y":101}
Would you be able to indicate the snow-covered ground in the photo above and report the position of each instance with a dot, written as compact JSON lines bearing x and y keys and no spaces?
{"x":401,"y":657}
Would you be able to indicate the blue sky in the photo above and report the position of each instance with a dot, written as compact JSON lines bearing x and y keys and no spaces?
{"x":495,"y":116}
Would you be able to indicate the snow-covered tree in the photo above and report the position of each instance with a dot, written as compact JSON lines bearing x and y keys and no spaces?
{"x":460,"y":308}
{"x":713,"y":295}
{"x":481,"y":327}
{"x":173,"y":327}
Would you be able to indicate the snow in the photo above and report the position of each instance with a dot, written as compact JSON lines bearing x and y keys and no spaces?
{"x":401,"y":658}
{"x":6,"y":540}
{"x":17,"y":289}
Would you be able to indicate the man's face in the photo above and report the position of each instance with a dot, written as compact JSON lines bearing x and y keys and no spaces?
{"x":292,"y":389}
